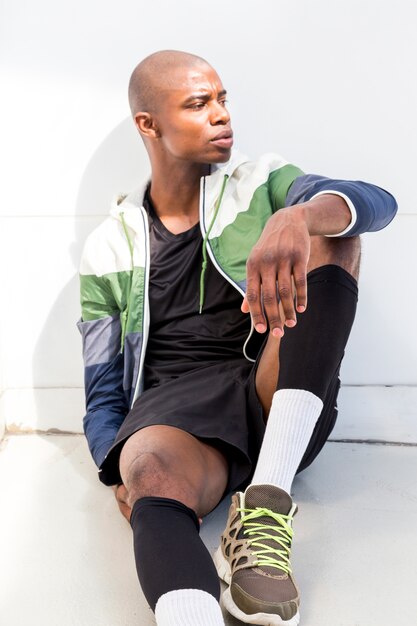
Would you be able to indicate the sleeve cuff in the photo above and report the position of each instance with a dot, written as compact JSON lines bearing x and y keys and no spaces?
{"x":351,"y":209}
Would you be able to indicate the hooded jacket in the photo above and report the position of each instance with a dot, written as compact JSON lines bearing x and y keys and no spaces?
{"x":236,"y":200}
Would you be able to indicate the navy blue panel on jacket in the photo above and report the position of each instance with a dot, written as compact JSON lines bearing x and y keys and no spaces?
{"x":375,"y":207}
{"x":107,"y":405}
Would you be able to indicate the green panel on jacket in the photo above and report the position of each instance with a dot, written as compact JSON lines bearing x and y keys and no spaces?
{"x":233,"y":246}
{"x":279,"y":183}
{"x":108,"y":295}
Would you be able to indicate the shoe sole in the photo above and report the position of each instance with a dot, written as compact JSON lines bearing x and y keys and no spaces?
{"x":258,"y":619}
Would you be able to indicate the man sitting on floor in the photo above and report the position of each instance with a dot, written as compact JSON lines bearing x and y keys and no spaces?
{"x":180,"y":380}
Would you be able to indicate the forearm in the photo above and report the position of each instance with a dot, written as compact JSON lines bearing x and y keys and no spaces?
{"x":327,"y":214}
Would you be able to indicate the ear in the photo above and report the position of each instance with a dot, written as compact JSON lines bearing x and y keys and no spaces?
{"x":146,"y":125}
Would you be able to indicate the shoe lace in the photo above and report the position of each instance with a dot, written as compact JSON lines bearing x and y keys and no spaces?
{"x":280,"y":533}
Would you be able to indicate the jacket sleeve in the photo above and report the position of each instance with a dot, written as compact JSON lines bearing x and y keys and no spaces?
{"x":372,"y":208}
{"x":106,"y":402}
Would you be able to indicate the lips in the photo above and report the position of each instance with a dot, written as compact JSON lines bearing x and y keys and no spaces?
{"x":225,"y":134}
{"x":223,"y":139}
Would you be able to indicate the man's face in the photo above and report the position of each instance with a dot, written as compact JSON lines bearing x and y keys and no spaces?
{"x":192,"y":117}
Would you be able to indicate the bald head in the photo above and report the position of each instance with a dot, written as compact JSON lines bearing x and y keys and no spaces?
{"x":155,"y":74}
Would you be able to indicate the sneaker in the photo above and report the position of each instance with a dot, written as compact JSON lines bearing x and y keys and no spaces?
{"x":254,"y":558}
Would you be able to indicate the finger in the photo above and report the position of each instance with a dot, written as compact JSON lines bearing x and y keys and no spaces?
{"x":245,"y":306}
{"x":300,"y":284}
{"x":286,"y":295}
{"x":253,"y":298}
{"x":271,"y":305}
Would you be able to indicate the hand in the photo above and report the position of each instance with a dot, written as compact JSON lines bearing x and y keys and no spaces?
{"x":277,"y":272}
{"x":121,"y":494}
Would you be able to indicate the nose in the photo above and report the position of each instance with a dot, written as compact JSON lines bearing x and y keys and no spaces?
{"x":220,"y":115}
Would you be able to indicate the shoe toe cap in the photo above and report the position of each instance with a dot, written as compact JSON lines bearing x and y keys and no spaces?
{"x":263,"y":594}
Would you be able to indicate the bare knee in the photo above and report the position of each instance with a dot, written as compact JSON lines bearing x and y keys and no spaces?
{"x":149,"y":474}
{"x":342,"y":251}
{"x":164,"y":461}
{"x":145,"y":472}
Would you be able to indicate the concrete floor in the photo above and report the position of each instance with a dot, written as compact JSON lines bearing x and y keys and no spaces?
{"x":66,"y":557}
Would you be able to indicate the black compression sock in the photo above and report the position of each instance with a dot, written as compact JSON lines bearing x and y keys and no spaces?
{"x":169,"y":552}
{"x":311,"y":352}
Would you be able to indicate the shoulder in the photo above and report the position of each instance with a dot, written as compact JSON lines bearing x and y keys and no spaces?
{"x":97,"y":247}
{"x":106,"y":248}
{"x":269,"y":174}
{"x":240,"y":165}
{"x":269,"y":169}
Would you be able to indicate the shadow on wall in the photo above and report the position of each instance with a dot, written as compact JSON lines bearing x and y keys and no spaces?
{"x":118,"y":164}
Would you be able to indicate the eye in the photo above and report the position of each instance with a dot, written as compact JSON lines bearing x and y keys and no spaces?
{"x":197,"y":105}
{"x":223,"y":101}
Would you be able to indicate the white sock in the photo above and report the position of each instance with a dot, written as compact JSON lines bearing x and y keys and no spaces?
{"x":188,"y":607}
{"x":293,"y":415}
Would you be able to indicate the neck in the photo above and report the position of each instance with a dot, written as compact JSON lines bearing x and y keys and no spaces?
{"x":175,"y":189}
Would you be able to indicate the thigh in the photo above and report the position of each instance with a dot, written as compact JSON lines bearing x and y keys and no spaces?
{"x":168,"y":462}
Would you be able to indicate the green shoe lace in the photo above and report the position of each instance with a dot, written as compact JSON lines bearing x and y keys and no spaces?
{"x":282,"y":535}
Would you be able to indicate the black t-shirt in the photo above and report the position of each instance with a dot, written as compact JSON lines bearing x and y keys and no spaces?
{"x":180,"y":338}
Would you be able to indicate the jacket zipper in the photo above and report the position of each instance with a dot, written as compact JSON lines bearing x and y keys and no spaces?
{"x":145,"y":312}
{"x":214,"y":261}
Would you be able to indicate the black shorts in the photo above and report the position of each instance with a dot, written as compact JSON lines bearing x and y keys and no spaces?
{"x":218,"y":404}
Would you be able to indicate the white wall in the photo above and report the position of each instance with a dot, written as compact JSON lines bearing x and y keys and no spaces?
{"x":328,"y":84}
